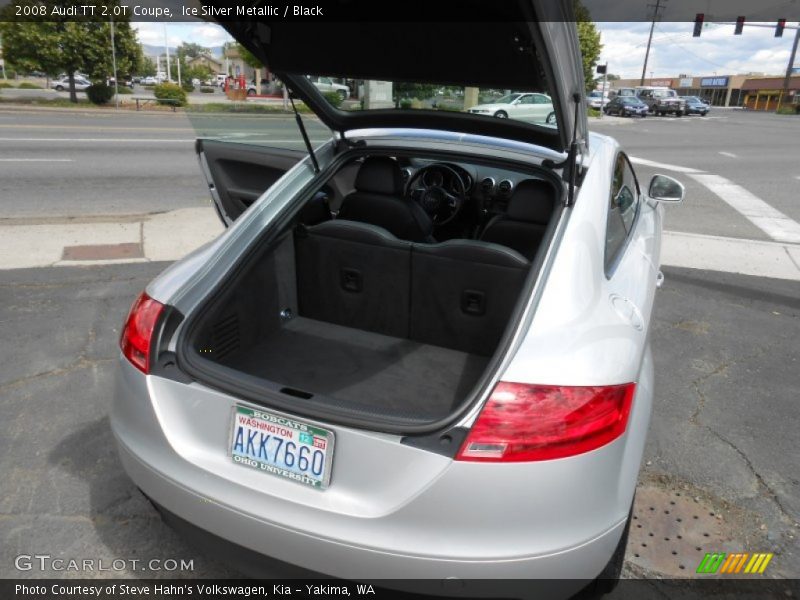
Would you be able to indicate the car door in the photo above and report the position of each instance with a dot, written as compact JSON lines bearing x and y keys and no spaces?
{"x":632,"y":247}
{"x":521,"y":107}
{"x":238,"y":173}
{"x":540,"y":108}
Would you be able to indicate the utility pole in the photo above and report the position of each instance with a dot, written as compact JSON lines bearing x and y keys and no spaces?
{"x":166,"y":49}
{"x":789,"y":67}
{"x":656,"y":7}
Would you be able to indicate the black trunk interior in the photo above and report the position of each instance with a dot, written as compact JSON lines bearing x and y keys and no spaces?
{"x":344,"y":311}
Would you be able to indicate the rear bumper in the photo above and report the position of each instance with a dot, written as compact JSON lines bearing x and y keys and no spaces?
{"x":308,"y":554}
{"x":431,"y":519}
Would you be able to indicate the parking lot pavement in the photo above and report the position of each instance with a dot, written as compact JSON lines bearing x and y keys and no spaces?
{"x":723,"y":437}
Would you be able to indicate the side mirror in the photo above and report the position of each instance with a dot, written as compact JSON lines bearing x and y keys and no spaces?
{"x":666,"y":189}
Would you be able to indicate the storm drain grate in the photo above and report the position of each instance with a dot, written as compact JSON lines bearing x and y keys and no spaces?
{"x":671,"y":531}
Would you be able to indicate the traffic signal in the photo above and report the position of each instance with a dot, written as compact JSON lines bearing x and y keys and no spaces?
{"x":779,"y":27}
{"x":601,"y":69}
{"x":739,"y":26}
{"x":698,"y":24}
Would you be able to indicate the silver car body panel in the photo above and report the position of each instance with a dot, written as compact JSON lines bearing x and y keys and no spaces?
{"x":392,"y":510}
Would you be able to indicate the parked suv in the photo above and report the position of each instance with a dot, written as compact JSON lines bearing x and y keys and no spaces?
{"x":662,"y":100}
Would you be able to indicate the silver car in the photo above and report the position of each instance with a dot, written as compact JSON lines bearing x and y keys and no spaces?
{"x":420,"y":351}
{"x":62,"y":84}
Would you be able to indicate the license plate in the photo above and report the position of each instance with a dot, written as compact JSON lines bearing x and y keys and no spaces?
{"x":280,"y":446}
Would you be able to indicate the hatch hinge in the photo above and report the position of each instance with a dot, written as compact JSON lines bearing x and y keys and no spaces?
{"x":570,"y":165}
{"x":305,"y":135}
{"x":344,"y":143}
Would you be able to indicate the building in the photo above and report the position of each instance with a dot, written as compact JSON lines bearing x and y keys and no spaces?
{"x":205,"y":60}
{"x":766,"y":93}
{"x":718,"y":90}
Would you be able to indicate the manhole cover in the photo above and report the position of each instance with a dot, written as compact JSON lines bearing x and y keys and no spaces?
{"x":671,"y":531}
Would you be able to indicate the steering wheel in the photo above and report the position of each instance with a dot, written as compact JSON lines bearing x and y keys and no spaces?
{"x":442,"y":205}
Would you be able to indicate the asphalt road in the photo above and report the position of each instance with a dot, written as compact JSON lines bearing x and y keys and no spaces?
{"x":757,"y":151}
{"x":68,"y":164}
{"x":723,"y":432}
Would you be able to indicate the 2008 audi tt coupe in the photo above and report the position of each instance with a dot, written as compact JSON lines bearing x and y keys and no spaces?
{"x":420,"y":350}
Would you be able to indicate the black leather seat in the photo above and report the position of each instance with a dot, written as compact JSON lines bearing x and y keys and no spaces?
{"x":354,"y":274}
{"x":523,"y":225}
{"x":378,"y":200}
{"x":463,"y":293}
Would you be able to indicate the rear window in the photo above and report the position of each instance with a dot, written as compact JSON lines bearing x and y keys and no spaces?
{"x":530,"y":105}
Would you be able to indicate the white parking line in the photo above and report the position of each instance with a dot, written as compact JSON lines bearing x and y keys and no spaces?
{"x":729,"y":154}
{"x":657,"y":165}
{"x":36,"y":160}
{"x":769,"y":220}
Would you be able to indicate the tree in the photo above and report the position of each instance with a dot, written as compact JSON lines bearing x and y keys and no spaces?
{"x":147,"y":67}
{"x":192,"y":50}
{"x":68,"y":46}
{"x":420,"y":91}
{"x":589,"y":39}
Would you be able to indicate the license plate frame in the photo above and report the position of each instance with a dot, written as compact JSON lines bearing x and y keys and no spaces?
{"x":247,"y":447}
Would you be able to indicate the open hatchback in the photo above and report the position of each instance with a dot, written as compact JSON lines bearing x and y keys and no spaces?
{"x":396,"y":310}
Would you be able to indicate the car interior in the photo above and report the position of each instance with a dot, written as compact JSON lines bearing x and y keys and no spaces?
{"x":391,"y":288}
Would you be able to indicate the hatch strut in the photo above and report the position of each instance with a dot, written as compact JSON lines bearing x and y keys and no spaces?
{"x":570,"y":164}
{"x":305,"y":135}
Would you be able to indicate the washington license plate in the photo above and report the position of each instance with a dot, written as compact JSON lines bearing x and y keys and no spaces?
{"x":280,"y":446}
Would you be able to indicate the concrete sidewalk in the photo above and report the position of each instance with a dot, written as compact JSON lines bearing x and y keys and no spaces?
{"x":171,"y":235}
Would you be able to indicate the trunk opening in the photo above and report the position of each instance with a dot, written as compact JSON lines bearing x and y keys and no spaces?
{"x":340,"y":320}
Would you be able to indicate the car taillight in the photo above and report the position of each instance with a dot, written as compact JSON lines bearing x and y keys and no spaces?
{"x":522,"y":422}
{"x":137,"y":333}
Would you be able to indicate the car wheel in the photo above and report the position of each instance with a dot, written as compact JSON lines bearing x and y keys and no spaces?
{"x":501,"y":114}
{"x":59,"y":88}
{"x":679,"y":113}
{"x":342,"y":95}
{"x":703,"y":114}
{"x":551,"y":118}
{"x":662,"y":114}
{"x":251,"y":92}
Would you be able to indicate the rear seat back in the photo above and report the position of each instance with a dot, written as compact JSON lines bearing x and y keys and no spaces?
{"x":457,"y":294}
{"x":354,"y":274}
{"x":463,"y":293}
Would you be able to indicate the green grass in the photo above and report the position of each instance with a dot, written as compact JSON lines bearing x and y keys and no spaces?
{"x":789,"y":110}
{"x":244,"y":107}
{"x":124,"y":91}
{"x":26,"y":85}
{"x":594,"y":112}
{"x":58,"y":102}
{"x":6,"y":85}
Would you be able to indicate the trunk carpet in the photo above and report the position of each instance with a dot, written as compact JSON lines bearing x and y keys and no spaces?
{"x":399,"y":376}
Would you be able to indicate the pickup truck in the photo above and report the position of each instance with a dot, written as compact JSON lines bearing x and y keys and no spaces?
{"x":662,"y":100}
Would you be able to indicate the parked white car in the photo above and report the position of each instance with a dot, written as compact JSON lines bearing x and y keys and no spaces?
{"x":525,"y":107}
{"x":326,"y":84}
{"x":150,"y":80}
{"x":62,"y":84}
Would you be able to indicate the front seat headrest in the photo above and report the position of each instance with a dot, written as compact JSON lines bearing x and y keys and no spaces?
{"x":379,"y":175}
{"x":532,"y":201}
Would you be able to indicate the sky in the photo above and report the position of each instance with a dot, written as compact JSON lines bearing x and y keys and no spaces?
{"x":674,"y":51}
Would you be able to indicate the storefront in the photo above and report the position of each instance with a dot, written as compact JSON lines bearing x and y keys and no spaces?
{"x":766,"y":93}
